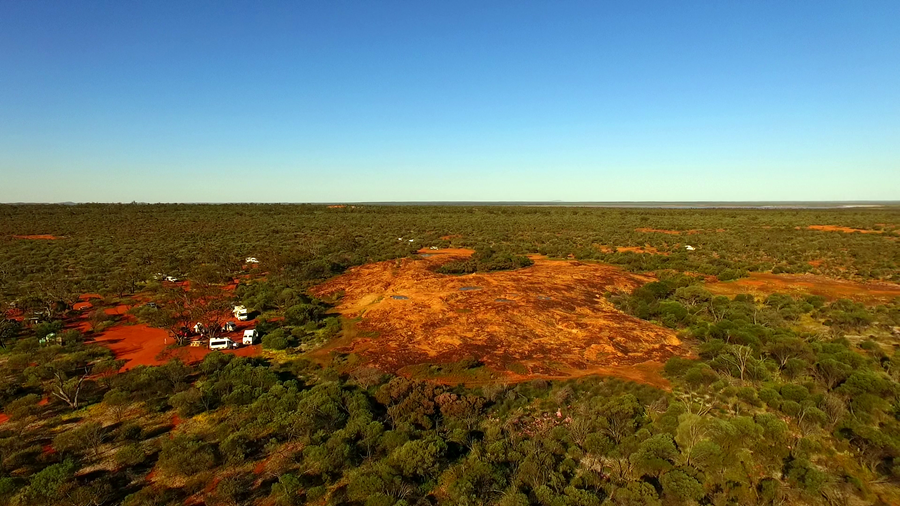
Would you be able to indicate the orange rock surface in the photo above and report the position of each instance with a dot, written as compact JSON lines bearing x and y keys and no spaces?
{"x":548,"y":320}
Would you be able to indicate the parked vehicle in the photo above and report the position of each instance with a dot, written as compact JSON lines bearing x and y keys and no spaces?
{"x":240,"y":312}
{"x":229,"y":327}
{"x":251,"y":336}
{"x":222,"y":344}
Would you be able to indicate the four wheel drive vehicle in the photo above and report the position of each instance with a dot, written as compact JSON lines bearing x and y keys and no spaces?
{"x":229,"y":327}
{"x":222,"y":344}
{"x":251,"y":336}
{"x":240,"y":312}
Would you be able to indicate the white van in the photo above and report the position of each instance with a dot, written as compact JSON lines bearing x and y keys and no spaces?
{"x":250,"y":337}
{"x":221,"y":344}
{"x":240,"y":312}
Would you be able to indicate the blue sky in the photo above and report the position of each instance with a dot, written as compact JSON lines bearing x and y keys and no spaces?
{"x":417,"y":101}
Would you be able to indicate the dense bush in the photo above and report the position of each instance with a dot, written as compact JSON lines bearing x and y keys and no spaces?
{"x":784,"y":400}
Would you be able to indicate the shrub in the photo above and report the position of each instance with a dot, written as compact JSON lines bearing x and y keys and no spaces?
{"x":769,"y":396}
{"x":792,"y":392}
{"x":301,"y":314}
{"x":185,"y":456}
{"x":130,"y":455}
{"x":275,"y":340}
{"x":23,"y":407}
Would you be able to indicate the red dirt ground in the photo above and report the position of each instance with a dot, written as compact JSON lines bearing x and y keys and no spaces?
{"x":634,"y":249}
{"x":549,"y":320}
{"x":140,"y":344}
{"x":676,"y":232}
{"x":38,"y":237}
{"x":143,"y":345}
{"x":764,"y":284}
{"x":670,"y":232}
{"x":846,"y":230}
{"x":118,"y":310}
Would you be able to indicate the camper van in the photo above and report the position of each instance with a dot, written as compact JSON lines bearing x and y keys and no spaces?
{"x":221,"y":344}
{"x":250,"y":337}
{"x":240,"y":312}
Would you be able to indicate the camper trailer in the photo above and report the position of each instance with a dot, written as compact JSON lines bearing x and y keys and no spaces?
{"x":221,"y":344}
{"x":251,"y":336}
{"x":240,"y":312}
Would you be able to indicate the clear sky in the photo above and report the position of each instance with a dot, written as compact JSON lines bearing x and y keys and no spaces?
{"x":305,"y":101}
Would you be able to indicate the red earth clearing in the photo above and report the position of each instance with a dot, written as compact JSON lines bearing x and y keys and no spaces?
{"x":139,"y":344}
{"x":764,"y":284}
{"x":549,"y":320}
{"x":669,"y":232}
{"x":676,"y":232}
{"x":633,"y":249}
{"x":38,"y":237}
{"x":118,"y":310}
{"x":142,"y":345}
{"x":846,"y":230}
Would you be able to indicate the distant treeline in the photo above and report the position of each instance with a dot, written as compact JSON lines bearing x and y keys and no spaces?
{"x":115,"y":248}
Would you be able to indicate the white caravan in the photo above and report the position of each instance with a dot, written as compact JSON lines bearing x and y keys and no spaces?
{"x":250,"y":336}
{"x":240,"y":312}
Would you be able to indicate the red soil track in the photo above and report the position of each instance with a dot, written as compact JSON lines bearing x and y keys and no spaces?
{"x":550,"y":320}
